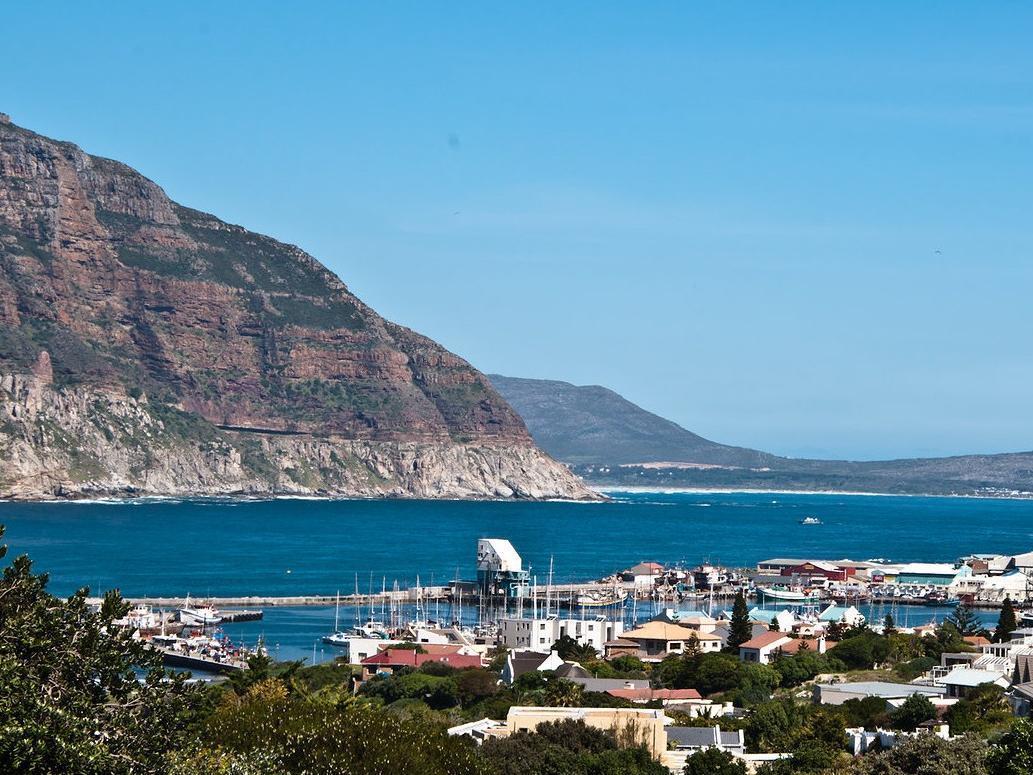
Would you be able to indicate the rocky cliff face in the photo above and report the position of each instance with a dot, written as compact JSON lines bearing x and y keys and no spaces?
{"x":148,"y":347}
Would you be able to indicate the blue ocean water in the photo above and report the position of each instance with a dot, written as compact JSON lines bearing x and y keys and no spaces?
{"x":299,"y":547}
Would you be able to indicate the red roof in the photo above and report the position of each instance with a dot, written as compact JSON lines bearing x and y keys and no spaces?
{"x":648,"y":695}
{"x":763,"y":640}
{"x":410,"y":658}
{"x":813,"y":644}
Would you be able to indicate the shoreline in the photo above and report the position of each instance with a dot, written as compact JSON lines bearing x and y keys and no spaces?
{"x":639,"y":489}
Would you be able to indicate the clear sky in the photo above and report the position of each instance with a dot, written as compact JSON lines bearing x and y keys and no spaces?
{"x":805,"y":227}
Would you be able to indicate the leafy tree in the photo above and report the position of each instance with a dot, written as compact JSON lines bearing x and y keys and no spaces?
{"x":867,"y":712}
{"x":889,"y":626}
{"x":1012,"y":752}
{"x":628,"y":666}
{"x":1006,"y":622}
{"x":713,"y":761}
{"x":475,"y":684}
{"x":562,"y":693}
{"x":928,"y":755}
{"x":563,"y":747}
{"x":739,"y":628}
{"x":570,"y":650}
{"x":982,"y":710}
{"x":718,"y":673}
{"x":915,"y":709}
{"x":862,"y":651}
{"x":71,"y":701}
{"x":774,"y":626}
{"x":965,"y":621}
{"x":269,"y":732}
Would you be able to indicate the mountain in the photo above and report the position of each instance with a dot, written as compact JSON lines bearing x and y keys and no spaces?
{"x":592,"y":424}
{"x":610,"y":441}
{"x":149,"y":347}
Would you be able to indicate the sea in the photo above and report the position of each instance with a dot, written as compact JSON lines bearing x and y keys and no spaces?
{"x":294,"y":546}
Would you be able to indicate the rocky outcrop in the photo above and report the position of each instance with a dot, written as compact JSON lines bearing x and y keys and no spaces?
{"x":145,"y":346}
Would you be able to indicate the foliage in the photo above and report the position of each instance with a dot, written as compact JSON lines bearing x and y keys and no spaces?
{"x":927,"y":755}
{"x":70,"y":699}
{"x":1006,"y":622}
{"x":862,"y":651}
{"x":867,"y":712}
{"x":288,"y":734}
{"x":802,"y":667}
{"x":965,"y":621}
{"x":563,"y":747}
{"x":984,"y":709}
{"x":1012,"y":753}
{"x":570,"y":650}
{"x":712,"y":761}
{"x":437,"y":691}
{"x":739,"y":628}
{"x":911,"y":669}
{"x":889,"y":626}
{"x":915,"y":709}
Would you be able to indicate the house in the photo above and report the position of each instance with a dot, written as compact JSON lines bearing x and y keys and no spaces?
{"x":479,"y":731}
{"x":389,"y":660}
{"x":542,"y":633}
{"x":845,"y":614}
{"x":786,"y":619}
{"x":656,"y":640}
{"x":644,"y":574}
{"x":686,"y":741}
{"x":694,"y":620}
{"x":723,"y":631}
{"x":817,"y":645}
{"x":608,"y":684}
{"x":763,"y":647}
{"x":664,"y":696}
{"x":961,"y":679}
{"x":647,"y":725}
{"x":837,"y":694}
{"x":520,"y":662}
{"x":1020,"y":697}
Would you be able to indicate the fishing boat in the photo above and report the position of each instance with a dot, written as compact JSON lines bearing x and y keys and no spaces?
{"x":198,"y":616}
{"x":788,"y":595}
{"x":601,"y":600}
{"x":810,"y":521}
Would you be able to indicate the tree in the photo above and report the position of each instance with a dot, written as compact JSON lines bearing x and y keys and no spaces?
{"x":562,"y":747}
{"x":916,"y":709}
{"x":739,"y":629}
{"x":983,"y":709}
{"x":889,"y":626}
{"x":928,"y":755}
{"x":562,"y":693}
{"x":713,"y":761}
{"x":569,"y":649}
{"x":1006,"y":622}
{"x":71,"y":700}
{"x":774,"y":626}
{"x":964,"y":620}
{"x":1012,"y":753}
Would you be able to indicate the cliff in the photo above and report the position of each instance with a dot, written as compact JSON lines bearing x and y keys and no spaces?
{"x":148,"y":347}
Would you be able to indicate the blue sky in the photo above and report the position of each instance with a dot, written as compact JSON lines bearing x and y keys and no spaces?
{"x":799,"y":227}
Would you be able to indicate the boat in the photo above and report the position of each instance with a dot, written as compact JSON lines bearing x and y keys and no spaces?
{"x":198,"y":616}
{"x":788,"y":595}
{"x":810,"y":521}
{"x":597,"y":600}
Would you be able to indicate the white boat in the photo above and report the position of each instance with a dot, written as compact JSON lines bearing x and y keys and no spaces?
{"x":789,"y":595}
{"x":810,"y":521}
{"x":198,"y":616}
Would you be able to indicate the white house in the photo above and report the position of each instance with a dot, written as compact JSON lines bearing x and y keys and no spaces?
{"x":541,"y":633}
{"x":762,"y":648}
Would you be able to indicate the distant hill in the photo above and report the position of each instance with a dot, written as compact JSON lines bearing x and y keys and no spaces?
{"x":592,"y":424}
{"x":611,"y":441}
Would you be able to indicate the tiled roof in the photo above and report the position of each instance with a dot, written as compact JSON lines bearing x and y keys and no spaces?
{"x":764,"y":640}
